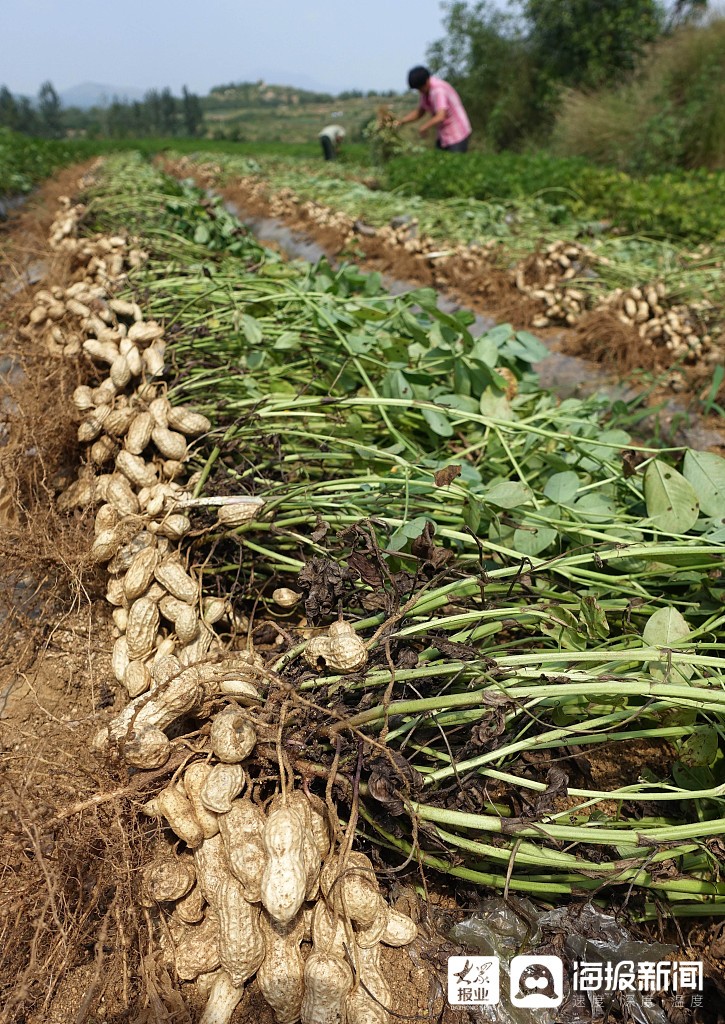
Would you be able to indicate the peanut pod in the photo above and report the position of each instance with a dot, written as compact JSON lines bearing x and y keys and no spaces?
{"x":190,"y":908}
{"x":241,"y":946}
{"x":223,"y":999}
{"x":282,"y":970}
{"x":223,"y":783}
{"x":171,"y":575}
{"x":284,"y":880}
{"x":327,"y":982}
{"x":212,"y":867}
{"x":369,"y":1001}
{"x":168,"y":879}
{"x":241,"y":830}
{"x":232,"y":737}
{"x":195,"y":778}
{"x":172,"y":804}
{"x":197,"y":950}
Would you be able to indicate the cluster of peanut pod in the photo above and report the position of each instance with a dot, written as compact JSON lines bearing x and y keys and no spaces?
{"x":252,"y":888}
{"x":546,"y":277}
{"x":261,"y":892}
{"x":676,"y":328}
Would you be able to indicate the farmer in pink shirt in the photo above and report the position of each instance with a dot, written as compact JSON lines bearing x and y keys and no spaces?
{"x":442,"y":102}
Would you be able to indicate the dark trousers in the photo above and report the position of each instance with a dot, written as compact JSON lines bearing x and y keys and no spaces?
{"x":328,"y":147}
{"x":457,"y":147}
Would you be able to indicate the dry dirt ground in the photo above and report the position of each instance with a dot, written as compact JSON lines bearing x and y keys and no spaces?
{"x":75,"y":945}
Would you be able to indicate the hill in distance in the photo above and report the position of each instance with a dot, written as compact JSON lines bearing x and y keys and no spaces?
{"x":292,"y":78}
{"x":95,"y":94}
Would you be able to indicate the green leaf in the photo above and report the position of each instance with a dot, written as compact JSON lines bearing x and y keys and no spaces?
{"x":561,"y":488}
{"x":252,"y":330}
{"x":692,"y":778}
{"x":485,"y":350}
{"x":527,"y":347}
{"x":501,"y":533}
{"x":706,"y":472}
{"x":359,"y":344}
{"x":438,"y":422}
{"x":508,"y":494}
{"x":672,"y":503}
{"x":287,"y":340}
{"x":594,"y":508}
{"x":495,"y":405}
{"x":256,"y":359}
{"x":398,"y":385}
{"x":471,"y":515}
{"x":406,"y":532}
{"x":563,"y":627}
{"x":699,"y":750}
{"x":500,"y":333}
{"x":461,"y":402}
{"x":461,"y":379}
{"x":594,"y":618}
{"x":532,"y":540}
{"x":202,"y":234}
{"x":664,"y":629}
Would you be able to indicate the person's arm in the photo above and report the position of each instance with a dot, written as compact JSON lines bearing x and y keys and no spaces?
{"x":414,"y":115}
{"x":438,"y":118}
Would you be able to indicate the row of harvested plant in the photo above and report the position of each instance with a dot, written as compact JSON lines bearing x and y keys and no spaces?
{"x":368,"y":580}
{"x":567,"y":279}
{"x":253,"y":884}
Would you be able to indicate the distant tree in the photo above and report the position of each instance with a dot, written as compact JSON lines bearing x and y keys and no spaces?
{"x":587,"y":43}
{"x":49,"y":111}
{"x":192,"y":114}
{"x":167,"y":111}
{"x":8,"y":109}
{"x":152,"y":112}
{"x":27,"y":117}
{"x":683,"y":11}
{"x":137,"y":118}
{"x":118,"y":119}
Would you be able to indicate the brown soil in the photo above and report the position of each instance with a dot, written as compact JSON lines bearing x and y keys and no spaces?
{"x":64,"y":868}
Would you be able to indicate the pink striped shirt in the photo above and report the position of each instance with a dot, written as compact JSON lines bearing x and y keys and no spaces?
{"x":456,"y":127}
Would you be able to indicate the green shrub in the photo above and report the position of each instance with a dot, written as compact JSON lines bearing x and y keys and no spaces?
{"x":25,"y":161}
{"x":686,"y":205}
{"x":672,"y":115}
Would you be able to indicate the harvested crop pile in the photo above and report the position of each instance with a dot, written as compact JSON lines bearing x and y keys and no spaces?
{"x":397,"y":470}
{"x":379,"y":603}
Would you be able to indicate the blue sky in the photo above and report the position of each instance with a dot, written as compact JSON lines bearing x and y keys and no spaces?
{"x":153,"y":43}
